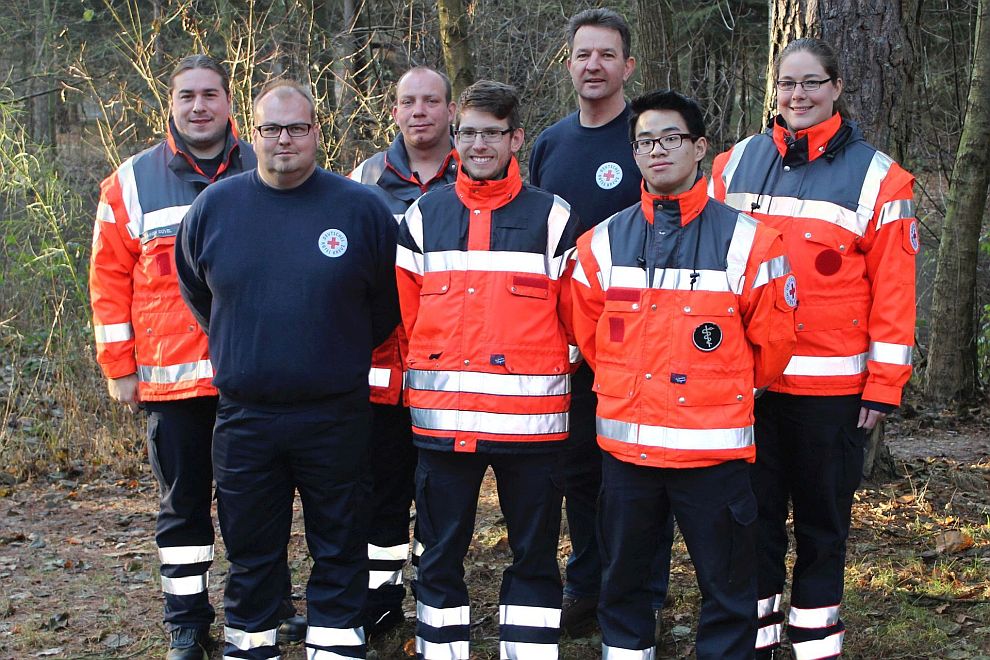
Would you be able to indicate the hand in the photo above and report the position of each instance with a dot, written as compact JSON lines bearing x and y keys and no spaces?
{"x":125,"y":390}
{"x":868,"y":418}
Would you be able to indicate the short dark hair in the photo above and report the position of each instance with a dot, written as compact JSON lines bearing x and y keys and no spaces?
{"x":604,"y":18}
{"x":286,"y":84}
{"x":200,"y":61}
{"x":668,"y":99}
{"x":826,"y":56}
{"x":448,"y":89}
{"x":496,"y":98}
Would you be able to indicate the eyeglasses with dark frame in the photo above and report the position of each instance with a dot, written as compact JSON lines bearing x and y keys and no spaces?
{"x":488,"y":135}
{"x":806,"y":85}
{"x":645,"y":146}
{"x":273,"y":131}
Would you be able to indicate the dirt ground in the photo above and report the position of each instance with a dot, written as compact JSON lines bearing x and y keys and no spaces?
{"x":78,"y":566}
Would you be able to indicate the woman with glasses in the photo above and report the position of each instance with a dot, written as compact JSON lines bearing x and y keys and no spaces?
{"x":846,"y":212}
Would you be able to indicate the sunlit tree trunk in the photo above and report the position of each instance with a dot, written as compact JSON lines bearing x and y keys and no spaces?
{"x":456,"y":43}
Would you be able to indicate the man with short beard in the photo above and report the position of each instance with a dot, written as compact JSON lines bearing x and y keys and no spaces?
{"x":420,"y":159}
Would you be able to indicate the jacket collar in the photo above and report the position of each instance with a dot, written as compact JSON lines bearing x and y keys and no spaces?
{"x":681,"y":208}
{"x":183,"y":163}
{"x":489,"y":195}
{"x":806,"y":145}
{"x":397,"y":160}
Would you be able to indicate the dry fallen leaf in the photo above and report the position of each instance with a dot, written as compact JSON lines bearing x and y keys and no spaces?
{"x":953,"y":541}
{"x":905,"y":499}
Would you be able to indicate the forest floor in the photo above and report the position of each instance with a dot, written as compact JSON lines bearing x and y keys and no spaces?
{"x":78,"y":566}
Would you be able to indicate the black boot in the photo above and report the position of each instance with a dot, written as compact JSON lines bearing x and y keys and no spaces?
{"x":189,"y":644}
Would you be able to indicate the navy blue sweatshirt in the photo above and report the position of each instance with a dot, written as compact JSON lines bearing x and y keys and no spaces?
{"x":592,"y":168}
{"x":294,"y":287}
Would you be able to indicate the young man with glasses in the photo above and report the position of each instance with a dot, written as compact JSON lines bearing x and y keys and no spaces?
{"x":148,"y":345}
{"x":420,"y":158}
{"x":682,"y":306}
{"x":290,"y":271}
{"x":483,"y":274}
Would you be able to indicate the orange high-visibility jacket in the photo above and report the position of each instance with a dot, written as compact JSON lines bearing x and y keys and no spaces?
{"x":388,"y":172}
{"x":682,"y":306}
{"x":483,"y":270}
{"x":847,"y":216}
{"x":140,"y":321}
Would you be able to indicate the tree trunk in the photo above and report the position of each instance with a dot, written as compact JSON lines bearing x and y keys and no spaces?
{"x":950,"y":375}
{"x":42,"y":86}
{"x":456,"y":44}
{"x":789,"y":20}
{"x":655,"y":56}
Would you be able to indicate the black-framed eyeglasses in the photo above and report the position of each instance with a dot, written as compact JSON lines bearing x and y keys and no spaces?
{"x":806,"y":85}
{"x":272,"y":131}
{"x":645,"y":146}
{"x":488,"y":135}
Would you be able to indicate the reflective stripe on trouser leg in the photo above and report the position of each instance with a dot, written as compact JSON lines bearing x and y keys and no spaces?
{"x":259,"y":644}
{"x":770,"y":621}
{"x":179,"y":447}
{"x":393,"y":465}
{"x":447,"y":486}
{"x":531,"y":593}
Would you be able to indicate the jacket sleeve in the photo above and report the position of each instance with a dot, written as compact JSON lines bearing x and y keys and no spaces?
{"x":716,"y":184}
{"x":890,"y":245}
{"x":767,"y":306}
{"x":111,"y":287}
{"x":189,"y":270}
{"x":587,"y":298}
{"x":385,"y":302}
{"x":564,"y":229}
{"x":409,"y":266}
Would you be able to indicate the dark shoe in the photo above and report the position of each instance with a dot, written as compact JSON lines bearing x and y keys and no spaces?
{"x":379,"y":622}
{"x":189,"y":644}
{"x":292,"y":629}
{"x":579,"y":615}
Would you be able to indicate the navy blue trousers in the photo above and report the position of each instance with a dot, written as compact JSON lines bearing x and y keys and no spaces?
{"x":809,"y":457}
{"x":447,"y":488}
{"x":393,"y":469}
{"x":261,"y":455}
{"x":180,"y":435}
{"x":716,"y":512}
{"x":579,"y":476}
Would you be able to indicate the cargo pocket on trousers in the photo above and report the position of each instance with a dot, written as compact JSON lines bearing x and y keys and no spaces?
{"x":424,"y":526}
{"x":156,"y":466}
{"x":853,"y":454}
{"x":742,"y":519}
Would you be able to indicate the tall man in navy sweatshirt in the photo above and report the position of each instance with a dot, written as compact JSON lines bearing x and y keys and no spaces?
{"x":289,"y":269}
{"x":586,"y":159}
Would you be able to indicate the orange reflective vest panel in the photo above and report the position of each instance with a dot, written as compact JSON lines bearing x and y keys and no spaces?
{"x":388,"y":173}
{"x":847,"y":216}
{"x":681,"y":306}
{"x":141,"y":324}
{"x":483,"y":270}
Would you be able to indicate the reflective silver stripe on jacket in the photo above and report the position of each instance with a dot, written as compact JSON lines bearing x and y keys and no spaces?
{"x":245,"y":641}
{"x":899,"y":209}
{"x":601,"y":247}
{"x":482,"y":383}
{"x":526,"y":615}
{"x":408,"y":259}
{"x":106,"y":334}
{"x":557,"y":220}
{"x":486,"y":422}
{"x":730,"y":167}
{"x":378,"y":377}
{"x":772,"y":269}
{"x":738,"y":255}
{"x":795,"y":207}
{"x":185,"y":554}
{"x":185,"y":586}
{"x":614,"y":653}
{"x":814,"y":365}
{"x":875,"y":174}
{"x":881,"y":351}
{"x":486,"y":261}
{"x":175,"y":373}
{"x":818,"y":617}
{"x":104,"y":213}
{"x":334,"y":636}
{"x":674,"y":438}
{"x":129,"y":194}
